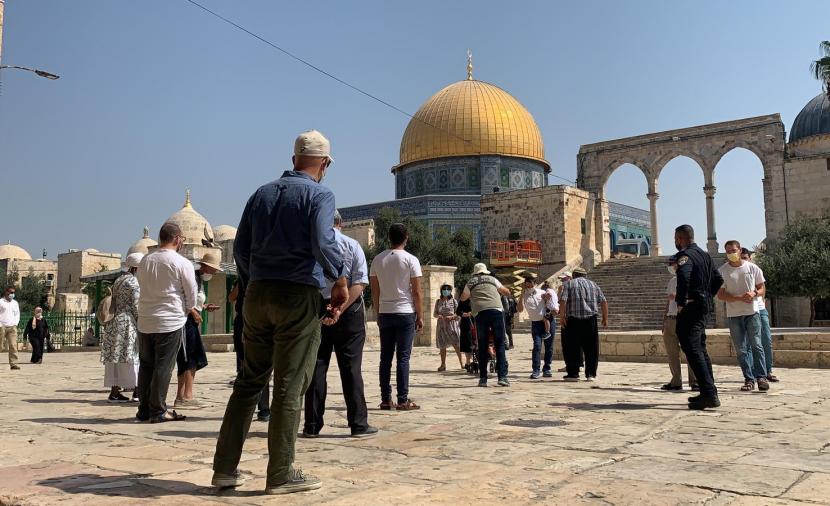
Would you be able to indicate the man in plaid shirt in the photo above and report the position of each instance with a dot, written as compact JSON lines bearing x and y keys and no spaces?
{"x":581,"y":302}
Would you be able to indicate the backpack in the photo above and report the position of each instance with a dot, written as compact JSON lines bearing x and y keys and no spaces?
{"x":106,"y":308}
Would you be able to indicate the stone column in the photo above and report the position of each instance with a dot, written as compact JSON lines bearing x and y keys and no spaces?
{"x":434,"y":276}
{"x":711,"y":234}
{"x":655,"y":241}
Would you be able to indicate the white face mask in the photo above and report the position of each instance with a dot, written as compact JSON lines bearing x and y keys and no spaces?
{"x":671,"y":269}
{"x":206,"y":277}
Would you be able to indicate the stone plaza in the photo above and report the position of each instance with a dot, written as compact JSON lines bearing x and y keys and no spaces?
{"x":617,"y":441}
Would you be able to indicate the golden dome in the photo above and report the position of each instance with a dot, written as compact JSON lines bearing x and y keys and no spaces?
{"x":472,"y":118}
{"x":195,"y":227}
{"x":142,"y":245}
{"x":11,"y":252}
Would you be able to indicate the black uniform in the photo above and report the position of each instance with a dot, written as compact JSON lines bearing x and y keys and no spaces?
{"x":697,"y":282}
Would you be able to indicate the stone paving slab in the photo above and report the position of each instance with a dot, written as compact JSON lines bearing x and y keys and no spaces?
{"x":618,"y":441}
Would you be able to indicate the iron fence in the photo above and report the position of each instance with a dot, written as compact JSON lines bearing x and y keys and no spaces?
{"x":66,"y":329}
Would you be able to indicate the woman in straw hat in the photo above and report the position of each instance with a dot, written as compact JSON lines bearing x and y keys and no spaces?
{"x":192,"y":356}
{"x":119,"y":351}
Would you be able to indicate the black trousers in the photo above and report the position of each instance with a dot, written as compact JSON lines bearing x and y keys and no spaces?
{"x":264,"y":404}
{"x":691,"y":332}
{"x":156,"y":358}
{"x":346,"y":338}
{"x":508,"y":329}
{"x":37,"y":349}
{"x":582,"y":338}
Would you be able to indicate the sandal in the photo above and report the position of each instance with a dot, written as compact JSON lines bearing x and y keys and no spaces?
{"x":773,"y":378}
{"x":749,"y":386}
{"x":387,"y":405}
{"x":408,"y":406}
{"x":163,"y":417}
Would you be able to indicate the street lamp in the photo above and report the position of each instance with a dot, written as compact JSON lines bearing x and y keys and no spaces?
{"x":41,"y":73}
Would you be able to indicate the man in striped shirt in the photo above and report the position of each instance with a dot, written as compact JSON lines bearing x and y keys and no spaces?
{"x":582,"y":300}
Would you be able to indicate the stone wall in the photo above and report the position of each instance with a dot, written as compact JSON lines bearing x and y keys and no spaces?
{"x":560,"y":217}
{"x":362,"y":231}
{"x":74,"y":264}
{"x":47,"y":268}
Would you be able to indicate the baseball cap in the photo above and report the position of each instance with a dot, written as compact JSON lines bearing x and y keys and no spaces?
{"x":312,"y":143}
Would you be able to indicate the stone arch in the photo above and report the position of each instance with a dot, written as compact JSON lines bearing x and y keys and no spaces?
{"x":705,"y":144}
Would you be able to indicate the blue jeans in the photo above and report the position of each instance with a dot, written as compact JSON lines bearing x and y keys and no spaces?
{"x":746,"y":336}
{"x":537,"y":331}
{"x":486,"y":320}
{"x":397,"y":333}
{"x":766,"y":340}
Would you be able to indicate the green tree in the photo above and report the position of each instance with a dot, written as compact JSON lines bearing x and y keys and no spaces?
{"x":797,"y":264}
{"x":33,"y":292}
{"x":821,"y":68}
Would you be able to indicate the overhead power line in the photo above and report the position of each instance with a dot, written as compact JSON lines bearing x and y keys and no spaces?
{"x":332,"y":76}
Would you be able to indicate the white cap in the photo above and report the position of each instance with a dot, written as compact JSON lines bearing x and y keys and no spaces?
{"x":480,"y":269}
{"x":566,"y":274}
{"x":133,"y":259}
{"x":312,"y":143}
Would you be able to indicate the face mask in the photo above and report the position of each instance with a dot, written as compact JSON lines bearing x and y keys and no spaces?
{"x":733,"y":257}
{"x":207,"y":277}
{"x":678,"y":246}
{"x":10,"y":296}
{"x":670,"y":268}
{"x":38,"y":316}
{"x":446,"y":293}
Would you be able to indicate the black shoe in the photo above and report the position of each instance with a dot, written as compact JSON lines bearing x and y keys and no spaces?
{"x":705,"y":402}
{"x":309,"y":435}
{"x":263,"y":417}
{"x":367,"y":432}
{"x":142,"y":417}
{"x":695,"y":398}
{"x":670,"y":387}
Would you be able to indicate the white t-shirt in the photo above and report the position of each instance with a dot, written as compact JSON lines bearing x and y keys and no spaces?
{"x":394,"y":269}
{"x":9,"y":312}
{"x":533,"y":304}
{"x":671,"y":289}
{"x":168,"y":291}
{"x":737,"y":281}
{"x":553,"y":303}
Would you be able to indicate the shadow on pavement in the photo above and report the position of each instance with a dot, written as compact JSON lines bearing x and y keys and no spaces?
{"x":136,"y":486}
{"x":617,"y":406}
{"x":108,"y":421}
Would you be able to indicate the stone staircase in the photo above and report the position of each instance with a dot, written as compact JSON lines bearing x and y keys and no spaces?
{"x":636,"y":291}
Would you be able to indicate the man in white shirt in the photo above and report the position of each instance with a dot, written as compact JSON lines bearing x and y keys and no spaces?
{"x":9,"y":319}
{"x":670,"y":340}
{"x":168,"y":295}
{"x":743,"y":283}
{"x":396,"y":293}
{"x":538,"y":303}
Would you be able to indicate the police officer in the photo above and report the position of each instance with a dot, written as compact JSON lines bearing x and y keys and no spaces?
{"x":697,"y":282}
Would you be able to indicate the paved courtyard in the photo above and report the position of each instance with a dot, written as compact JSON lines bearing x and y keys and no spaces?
{"x":617,"y":441}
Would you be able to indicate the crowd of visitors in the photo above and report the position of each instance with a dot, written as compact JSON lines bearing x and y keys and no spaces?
{"x":299,"y":299}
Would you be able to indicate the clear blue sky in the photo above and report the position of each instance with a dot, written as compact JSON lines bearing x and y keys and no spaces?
{"x":157,"y":96}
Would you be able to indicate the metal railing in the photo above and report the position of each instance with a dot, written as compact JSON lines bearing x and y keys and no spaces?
{"x":66,"y":329}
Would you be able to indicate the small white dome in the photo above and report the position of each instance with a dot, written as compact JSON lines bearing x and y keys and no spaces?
{"x":224,"y":233}
{"x":13,"y":252}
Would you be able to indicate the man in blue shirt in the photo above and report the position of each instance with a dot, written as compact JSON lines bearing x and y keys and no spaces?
{"x":346,"y":338}
{"x":285,"y":250}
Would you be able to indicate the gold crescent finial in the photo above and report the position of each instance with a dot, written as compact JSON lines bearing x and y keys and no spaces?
{"x":187,"y":198}
{"x":469,"y":65}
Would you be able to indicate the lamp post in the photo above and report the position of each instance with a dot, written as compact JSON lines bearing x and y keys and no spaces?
{"x":41,"y":73}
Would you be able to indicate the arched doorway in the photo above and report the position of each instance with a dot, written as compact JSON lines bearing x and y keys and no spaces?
{"x":625,"y":190}
{"x":738,"y":177}
{"x":681,"y":202}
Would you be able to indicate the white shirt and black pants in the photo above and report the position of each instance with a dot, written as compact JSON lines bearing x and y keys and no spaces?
{"x":744,"y":320}
{"x":395,"y":269}
{"x":9,"y":319}
{"x":536,"y":309}
{"x":168,"y":292}
{"x":346,"y":339}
